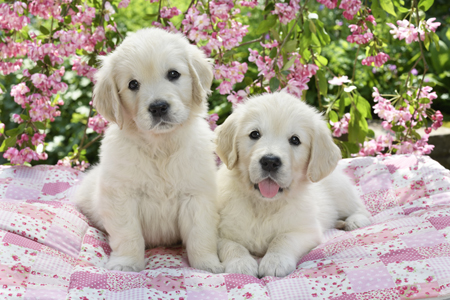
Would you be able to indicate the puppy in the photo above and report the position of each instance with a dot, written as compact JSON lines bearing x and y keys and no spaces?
{"x":277,"y":189}
{"x":155,"y":184}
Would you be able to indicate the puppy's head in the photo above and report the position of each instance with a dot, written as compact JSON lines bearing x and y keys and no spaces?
{"x":155,"y":80}
{"x":276,"y":143}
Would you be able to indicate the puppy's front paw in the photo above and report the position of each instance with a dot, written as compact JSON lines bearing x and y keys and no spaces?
{"x":356,"y":221}
{"x":210,"y":264}
{"x":274,"y":264}
{"x":125,"y":263}
{"x":242,"y":265}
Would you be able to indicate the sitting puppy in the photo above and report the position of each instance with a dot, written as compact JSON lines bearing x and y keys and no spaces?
{"x":155,"y":184}
{"x":277,"y":189}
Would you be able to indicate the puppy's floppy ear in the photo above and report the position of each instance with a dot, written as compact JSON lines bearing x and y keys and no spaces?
{"x":324,"y":154}
{"x":202,"y":74}
{"x":226,"y":141}
{"x":106,"y":97}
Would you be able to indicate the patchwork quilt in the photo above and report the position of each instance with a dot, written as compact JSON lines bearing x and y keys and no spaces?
{"x":48,"y":250}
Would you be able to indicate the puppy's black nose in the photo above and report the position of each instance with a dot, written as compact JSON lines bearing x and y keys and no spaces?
{"x":159,"y":108}
{"x":270,"y":163}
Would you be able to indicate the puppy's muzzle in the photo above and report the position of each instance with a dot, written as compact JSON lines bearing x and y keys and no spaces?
{"x":159,"y":108}
{"x":270,"y":163}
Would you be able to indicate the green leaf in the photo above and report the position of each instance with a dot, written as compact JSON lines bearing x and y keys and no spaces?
{"x":10,"y":142}
{"x":312,"y":27}
{"x":388,"y":7}
{"x":290,"y":46}
{"x":323,"y":84}
{"x":248,"y":80}
{"x":352,"y":147}
{"x":47,"y":60}
{"x":427,"y":41}
{"x":400,"y":8}
{"x":398,"y":128}
{"x":25,"y":117}
{"x":425,"y":4}
{"x":357,"y":126}
{"x":322,"y":60}
{"x":265,"y":25}
{"x":424,"y":100}
{"x":268,"y":9}
{"x":40,"y":125}
{"x":273,"y":52}
{"x":2,"y":147}
{"x":289,"y":64}
{"x":44,"y":30}
{"x":12,"y":132}
{"x":376,"y":9}
{"x":333,"y":116}
{"x":435,"y":38}
{"x":67,"y":19}
{"x":363,"y":106}
{"x":274,"y":83}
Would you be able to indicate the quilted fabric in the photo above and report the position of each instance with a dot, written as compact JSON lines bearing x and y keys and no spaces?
{"x":49,"y":251}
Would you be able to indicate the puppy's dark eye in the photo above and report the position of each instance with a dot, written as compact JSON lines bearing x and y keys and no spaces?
{"x":133,"y":85}
{"x":255,"y":135}
{"x":294,"y":140}
{"x":173,"y":75}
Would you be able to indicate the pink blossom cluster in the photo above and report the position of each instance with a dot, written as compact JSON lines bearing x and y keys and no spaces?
{"x":359,"y":34}
{"x":212,"y":120}
{"x":83,"y":68}
{"x":299,"y":76}
{"x":46,"y":9}
{"x":98,"y":123}
{"x":410,"y":33}
{"x":9,"y":16}
{"x":350,"y":7}
{"x":286,"y":12}
{"x":378,"y":60}
{"x":169,"y":13}
{"x":264,"y":63}
{"x":228,"y":34}
{"x":331,"y":4}
{"x":251,"y":3}
{"x":75,"y":36}
{"x":73,"y":163}
{"x":238,"y":97}
{"x":233,"y":72}
{"x":22,"y":156}
{"x":401,"y":117}
{"x":340,"y":127}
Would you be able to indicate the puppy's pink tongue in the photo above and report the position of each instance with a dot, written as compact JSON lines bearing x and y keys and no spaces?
{"x":268,"y":188}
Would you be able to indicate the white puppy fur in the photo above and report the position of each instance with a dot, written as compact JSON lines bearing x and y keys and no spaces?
{"x":278,"y":189}
{"x":155,"y":184}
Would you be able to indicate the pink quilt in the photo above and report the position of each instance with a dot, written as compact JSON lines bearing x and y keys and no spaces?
{"x":49,"y":251}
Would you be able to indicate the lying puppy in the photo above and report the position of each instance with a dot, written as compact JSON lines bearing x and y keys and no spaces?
{"x":155,"y":184}
{"x":277,"y":189}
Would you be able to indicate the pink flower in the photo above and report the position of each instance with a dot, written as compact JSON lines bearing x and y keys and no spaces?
{"x":341,"y":127}
{"x":212,"y":119}
{"x":329,"y":3}
{"x":237,"y":97}
{"x":108,"y":11}
{"x":124,"y":4}
{"x":350,"y":7}
{"x":98,"y":123}
{"x":339,"y":80}
{"x":377,"y":60}
{"x":224,"y":87}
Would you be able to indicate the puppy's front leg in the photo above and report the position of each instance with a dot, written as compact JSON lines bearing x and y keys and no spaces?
{"x":236,"y":258}
{"x":285,"y":251}
{"x":121,"y":221}
{"x":198,"y":220}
